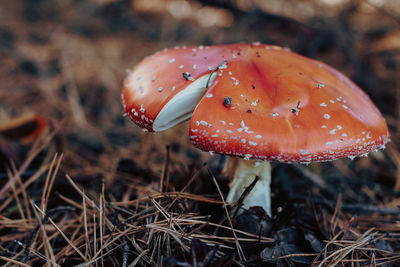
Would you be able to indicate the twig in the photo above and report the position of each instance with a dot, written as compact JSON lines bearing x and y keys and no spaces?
{"x":87,"y":250}
{"x":238,"y":247}
{"x":48,"y":249}
{"x":144,"y":252}
{"x":244,"y":195}
{"x":17,"y":263}
{"x":169,"y":194}
{"x":61,"y":233}
{"x":165,"y":174}
{"x":35,"y":150}
{"x":96,"y":259}
{"x":125,"y":254}
{"x":101,"y":218}
{"x":21,"y":212}
{"x":339,"y":254}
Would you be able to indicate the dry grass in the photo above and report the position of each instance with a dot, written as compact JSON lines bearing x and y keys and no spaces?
{"x":94,"y":230}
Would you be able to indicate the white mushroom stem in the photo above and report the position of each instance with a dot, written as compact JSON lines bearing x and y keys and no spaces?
{"x":244,"y":173}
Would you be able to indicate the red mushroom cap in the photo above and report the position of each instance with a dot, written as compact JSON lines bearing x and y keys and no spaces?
{"x":264,"y":103}
{"x":161,"y":77}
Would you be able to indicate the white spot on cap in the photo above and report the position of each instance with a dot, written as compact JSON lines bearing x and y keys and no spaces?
{"x":320,"y":85}
{"x":194,"y":66}
{"x":204,"y":123}
{"x":160,"y":88}
{"x":327,"y":116}
{"x":172,"y":60}
{"x":247,"y":156}
{"x":252,"y":143}
{"x":222,"y":66}
{"x":209,"y":95}
{"x":181,"y":67}
{"x":323,"y":104}
{"x":243,"y":140}
{"x":258,"y":136}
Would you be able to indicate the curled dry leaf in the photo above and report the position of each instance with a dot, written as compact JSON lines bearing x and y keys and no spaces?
{"x":390,"y":42}
{"x":26,"y":127}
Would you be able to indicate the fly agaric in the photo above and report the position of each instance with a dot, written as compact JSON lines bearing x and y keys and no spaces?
{"x":257,"y":103}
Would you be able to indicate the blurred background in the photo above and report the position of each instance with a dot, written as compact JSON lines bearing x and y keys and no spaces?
{"x":64,"y":61}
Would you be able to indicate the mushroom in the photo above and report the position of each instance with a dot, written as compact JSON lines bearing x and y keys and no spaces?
{"x":257,"y":103}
